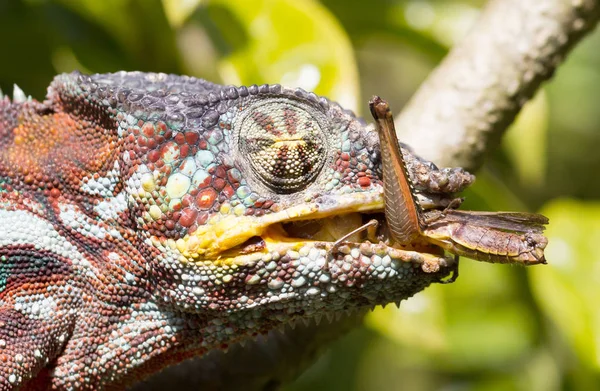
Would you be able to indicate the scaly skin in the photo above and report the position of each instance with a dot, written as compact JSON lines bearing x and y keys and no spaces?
{"x":148,"y":218}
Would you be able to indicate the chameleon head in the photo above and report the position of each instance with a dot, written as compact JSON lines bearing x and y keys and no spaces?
{"x":239,"y":194}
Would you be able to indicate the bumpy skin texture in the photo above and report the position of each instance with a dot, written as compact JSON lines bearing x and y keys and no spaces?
{"x":147,"y":218}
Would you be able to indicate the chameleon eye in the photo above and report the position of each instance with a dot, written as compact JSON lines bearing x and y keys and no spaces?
{"x":284,"y":143}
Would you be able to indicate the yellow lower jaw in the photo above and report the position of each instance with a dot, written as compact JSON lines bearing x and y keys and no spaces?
{"x":223,"y":233}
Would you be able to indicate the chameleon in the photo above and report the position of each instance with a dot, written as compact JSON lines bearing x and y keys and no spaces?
{"x":148,"y":218}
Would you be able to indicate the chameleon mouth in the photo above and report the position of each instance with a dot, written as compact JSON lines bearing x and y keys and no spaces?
{"x":242,"y":239}
{"x":322,"y":231}
{"x":332,"y":232}
{"x":332,"y":229}
{"x":336,"y":237}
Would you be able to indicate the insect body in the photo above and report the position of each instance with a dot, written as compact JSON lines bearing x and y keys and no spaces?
{"x":498,"y":237}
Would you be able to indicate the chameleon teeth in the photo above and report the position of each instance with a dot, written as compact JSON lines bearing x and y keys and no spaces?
{"x":262,"y":338}
{"x":281,"y":330}
{"x":318,"y":319}
{"x":18,"y":95}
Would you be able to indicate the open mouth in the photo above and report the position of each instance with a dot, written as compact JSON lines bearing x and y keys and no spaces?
{"x":323,"y":231}
{"x":343,"y":238}
{"x":331,"y":233}
{"x":333,"y":228}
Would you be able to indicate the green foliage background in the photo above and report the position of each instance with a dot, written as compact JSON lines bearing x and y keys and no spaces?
{"x":498,"y":327}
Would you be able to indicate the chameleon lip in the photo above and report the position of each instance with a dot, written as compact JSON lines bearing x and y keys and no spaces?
{"x":322,"y":232}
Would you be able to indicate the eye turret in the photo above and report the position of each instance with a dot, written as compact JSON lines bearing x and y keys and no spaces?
{"x":284,"y":143}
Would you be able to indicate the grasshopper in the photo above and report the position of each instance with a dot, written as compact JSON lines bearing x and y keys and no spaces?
{"x":497,"y":237}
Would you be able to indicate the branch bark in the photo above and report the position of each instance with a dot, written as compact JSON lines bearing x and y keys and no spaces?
{"x":465,"y":105}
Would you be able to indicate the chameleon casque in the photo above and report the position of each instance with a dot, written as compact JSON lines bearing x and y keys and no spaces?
{"x":148,"y":218}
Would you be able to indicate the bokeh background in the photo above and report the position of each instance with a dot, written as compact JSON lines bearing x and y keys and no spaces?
{"x":498,"y":327}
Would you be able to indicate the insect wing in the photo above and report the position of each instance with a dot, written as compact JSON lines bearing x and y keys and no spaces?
{"x":507,"y":221}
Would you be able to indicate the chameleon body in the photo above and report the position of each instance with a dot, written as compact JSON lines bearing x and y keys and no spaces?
{"x":148,"y":218}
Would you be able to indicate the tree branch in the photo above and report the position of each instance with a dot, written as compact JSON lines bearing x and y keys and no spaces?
{"x":465,"y":105}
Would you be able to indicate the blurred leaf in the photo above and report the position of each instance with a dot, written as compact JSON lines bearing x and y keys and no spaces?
{"x":526,"y":141}
{"x":365,"y":20}
{"x":178,"y":11}
{"x":139,"y":26}
{"x":574,"y":120}
{"x":418,"y":323}
{"x":488,"y":334}
{"x":488,"y":325}
{"x":470,"y":331}
{"x":112,"y":14}
{"x":452,"y":20}
{"x":568,"y":289}
{"x":490,"y":193}
{"x":393,"y":70}
{"x":543,"y":372}
{"x":25,"y":49}
{"x":295,"y":43}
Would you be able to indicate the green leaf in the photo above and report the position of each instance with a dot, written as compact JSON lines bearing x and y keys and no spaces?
{"x":178,"y":11}
{"x":457,"y":326}
{"x":140,"y":28}
{"x":525,"y":142}
{"x":111,"y":14}
{"x":490,"y":193}
{"x":295,"y":43}
{"x":568,"y":288}
{"x":419,"y":323}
